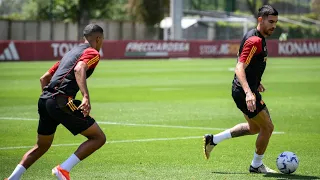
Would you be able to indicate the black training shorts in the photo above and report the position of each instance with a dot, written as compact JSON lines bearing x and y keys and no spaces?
{"x":239,"y":98}
{"x":54,"y":111}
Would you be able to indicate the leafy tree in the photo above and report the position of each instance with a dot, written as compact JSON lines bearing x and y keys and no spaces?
{"x":253,"y":6}
{"x":10,"y":9}
{"x":315,"y":7}
{"x":147,"y":11}
{"x":80,"y":11}
{"x":206,"y":5}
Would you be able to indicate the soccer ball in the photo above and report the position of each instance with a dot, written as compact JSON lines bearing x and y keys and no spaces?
{"x":287,"y":162}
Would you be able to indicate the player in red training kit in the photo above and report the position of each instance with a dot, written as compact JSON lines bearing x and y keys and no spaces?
{"x":246,"y":88}
{"x":56,"y":105}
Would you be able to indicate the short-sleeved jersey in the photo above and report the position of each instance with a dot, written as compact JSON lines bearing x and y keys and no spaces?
{"x":253,"y":52}
{"x":63,"y":79}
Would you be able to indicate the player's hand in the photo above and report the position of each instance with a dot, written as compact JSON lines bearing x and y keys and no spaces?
{"x":261,"y":88}
{"x":85,"y":106}
{"x":251,"y":101}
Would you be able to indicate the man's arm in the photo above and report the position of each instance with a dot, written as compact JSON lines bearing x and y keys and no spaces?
{"x":251,"y":47}
{"x":46,"y":77}
{"x":80,"y":72}
{"x":241,"y":75}
{"x":88,"y":60}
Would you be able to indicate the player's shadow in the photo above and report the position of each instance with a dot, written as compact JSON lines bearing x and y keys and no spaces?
{"x":290,"y":176}
{"x":217,"y":172}
{"x":279,"y":176}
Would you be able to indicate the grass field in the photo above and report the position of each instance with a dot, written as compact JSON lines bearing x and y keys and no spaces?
{"x":155,"y":113}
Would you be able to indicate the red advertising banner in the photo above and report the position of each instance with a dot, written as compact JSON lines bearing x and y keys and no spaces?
{"x":34,"y":50}
{"x":213,"y":49}
{"x":53,"y":50}
{"x":145,"y":49}
{"x":297,"y":47}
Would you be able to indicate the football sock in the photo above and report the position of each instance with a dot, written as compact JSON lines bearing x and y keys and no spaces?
{"x":221,"y":136}
{"x":70,"y":163}
{"x":18,"y":171}
{"x":257,"y":160}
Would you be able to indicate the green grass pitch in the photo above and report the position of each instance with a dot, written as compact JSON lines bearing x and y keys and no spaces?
{"x":155,"y":113}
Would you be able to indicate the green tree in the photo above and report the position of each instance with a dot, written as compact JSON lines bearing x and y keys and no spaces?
{"x":230,"y":6}
{"x":10,"y":9}
{"x":253,"y":6}
{"x":206,"y":5}
{"x":315,"y":7}
{"x":147,"y":11}
{"x":79,"y":11}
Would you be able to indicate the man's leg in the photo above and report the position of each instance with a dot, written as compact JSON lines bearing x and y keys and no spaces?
{"x":96,"y":139}
{"x":242,"y":129}
{"x":238,"y":130}
{"x":43,"y":144}
{"x":266,"y":128}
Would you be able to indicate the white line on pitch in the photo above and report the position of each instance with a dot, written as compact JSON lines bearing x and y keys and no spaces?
{"x":131,"y":124}
{"x":110,"y":142}
{"x":123,"y":124}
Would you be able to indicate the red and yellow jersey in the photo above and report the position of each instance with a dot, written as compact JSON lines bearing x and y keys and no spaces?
{"x":253,"y":52}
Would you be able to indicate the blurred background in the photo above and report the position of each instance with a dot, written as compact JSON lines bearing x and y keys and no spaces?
{"x":152,"y":19}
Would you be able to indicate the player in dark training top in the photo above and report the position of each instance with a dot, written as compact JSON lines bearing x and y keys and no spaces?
{"x":246,"y":88}
{"x":56,"y":105}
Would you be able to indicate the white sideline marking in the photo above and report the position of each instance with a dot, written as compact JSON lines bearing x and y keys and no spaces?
{"x":166,"y":89}
{"x":131,"y":124}
{"x":123,"y":124}
{"x":18,"y":119}
{"x":109,"y":142}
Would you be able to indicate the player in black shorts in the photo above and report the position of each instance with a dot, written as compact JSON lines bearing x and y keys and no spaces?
{"x":246,"y":88}
{"x":56,"y":105}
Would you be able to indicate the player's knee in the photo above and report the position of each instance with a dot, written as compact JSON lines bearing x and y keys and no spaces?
{"x":100,"y":139}
{"x":267,"y":129}
{"x":43,"y":146}
{"x":103,"y":139}
{"x":253,"y":131}
{"x":271,"y":127}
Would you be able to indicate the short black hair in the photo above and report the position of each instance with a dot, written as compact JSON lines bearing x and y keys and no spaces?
{"x":267,"y":10}
{"x":92,"y":28}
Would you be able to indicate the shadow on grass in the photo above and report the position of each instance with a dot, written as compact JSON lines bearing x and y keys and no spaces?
{"x":276,"y":175}
{"x":290,"y":176}
{"x":216,"y":172}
